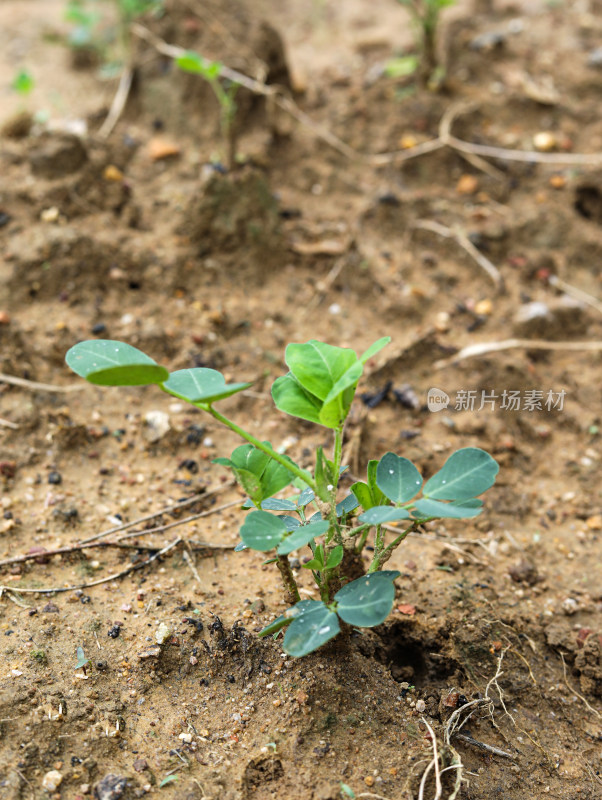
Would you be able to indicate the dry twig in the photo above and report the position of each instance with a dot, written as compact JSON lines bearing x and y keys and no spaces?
{"x":483,"y":348}
{"x":34,"y":386}
{"x":464,"y":242}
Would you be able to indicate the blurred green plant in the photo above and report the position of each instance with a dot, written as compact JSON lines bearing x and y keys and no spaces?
{"x":23,"y":83}
{"x":425,"y":17}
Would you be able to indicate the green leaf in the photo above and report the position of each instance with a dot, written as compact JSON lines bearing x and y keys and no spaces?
{"x":401,"y":67}
{"x":323,"y":477}
{"x":81,"y":658}
{"x":378,"y":497}
{"x":195,"y":63}
{"x":347,"y":790}
{"x":425,"y":508}
{"x":274,"y":504}
{"x":374,"y":349}
{"x":108,"y":363}
{"x":317,"y":562}
{"x":338,"y":400}
{"x":466,"y":474}
{"x":362,"y":494}
{"x":335,"y":557}
{"x":290,"y":397}
{"x":23,"y":82}
{"x":306,"y":496}
{"x":286,"y":618}
{"x":378,"y":515}
{"x":318,"y":366}
{"x":262,"y":531}
{"x":292,"y":523}
{"x":367,"y":601}
{"x":168,"y":779}
{"x":259,"y":474}
{"x":201,"y":385}
{"x":347,"y":505}
{"x":398,"y":478}
{"x":301,"y":536}
{"x":315,"y":626}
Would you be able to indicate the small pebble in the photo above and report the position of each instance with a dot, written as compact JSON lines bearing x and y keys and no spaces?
{"x":164,"y":632}
{"x":52,"y":780}
{"x":544,"y":141}
{"x":55,"y":478}
{"x":100,"y":327}
{"x":420,"y":706}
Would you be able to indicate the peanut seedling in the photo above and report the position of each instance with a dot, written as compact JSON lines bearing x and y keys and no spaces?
{"x":319,"y":387}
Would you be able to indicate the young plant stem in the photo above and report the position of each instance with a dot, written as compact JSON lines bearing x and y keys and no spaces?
{"x":297,"y":471}
{"x":290,"y":584}
{"x":381,"y":558}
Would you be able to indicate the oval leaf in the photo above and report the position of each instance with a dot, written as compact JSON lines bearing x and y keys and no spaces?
{"x":466,"y":474}
{"x":318,"y":366}
{"x":105,"y":362}
{"x":286,"y":618}
{"x":427,"y":508}
{"x":274,"y":504}
{"x":301,"y":536}
{"x":398,"y":478}
{"x":315,"y":626}
{"x":347,"y":505}
{"x":335,"y":557}
{"x":378,"y":515}
{"x":290,"y":397}
{"x":374,"y":349}
{"x":201,"y":385}
{"x":367,"y":601}
{"x":306,"y":496}
{"x":262,"y":531}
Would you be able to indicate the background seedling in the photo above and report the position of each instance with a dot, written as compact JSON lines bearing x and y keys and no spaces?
{"x":319,"y":387}
{"x":224,"y":91}
{"x":425,"y":16}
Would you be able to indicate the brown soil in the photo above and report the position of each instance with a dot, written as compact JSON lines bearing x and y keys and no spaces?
{"x":207,"y":269}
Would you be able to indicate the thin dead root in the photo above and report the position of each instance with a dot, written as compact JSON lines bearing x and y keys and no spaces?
{"x":574,"y":691}
{"x":573,"y":291}
{"x":34,"y":386}
{"x":445,"y":139}
{"x":434,"y":764}
{"x":483,"y":348}
{"x":115,"y":576}
{"x":119,"y":102}
{"x":189,"y":559}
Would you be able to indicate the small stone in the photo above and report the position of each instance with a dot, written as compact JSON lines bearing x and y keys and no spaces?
{"x":468,"y":184}
{"x":50,"y":214}
{"x":4,"y":318}
{"x":369,"y":780}
{"x":594,"y":59}
{"x":114,"y":631}
{"x":140,"y":764}
{"x":150,"y":652}
{"x":112,"y":173}
{"x":483,"y":307}
{"x":55,"y":478}
{"x":18,"y":126}
{"x":159,"y":149}
{"x":164,"y":632}
{"x":593,"y":523}
{"x":100,"y":327}
{"x":185,"y":737}
{"x":420,"y":706}
{"x":157,"y":425}
{"x":544,"y":141}
{"x":258,"y":606}
{"x":111,"y":787}
{"x":558,"y":181}
{"x":58,"y":155}
{"x":50,"y":608}
{"x":52,"y":780}
{"x":407,"y":141}
{"x":524,"y":572}
{"x":570,"y":606}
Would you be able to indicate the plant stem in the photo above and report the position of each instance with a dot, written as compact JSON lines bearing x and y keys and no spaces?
{"x":381,"y":558}
{"x":291,"y":467}
{"x":290,"y":584}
